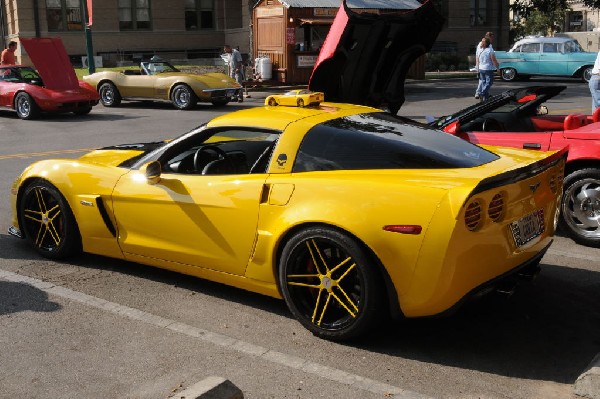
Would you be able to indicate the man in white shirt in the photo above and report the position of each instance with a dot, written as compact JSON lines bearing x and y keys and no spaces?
{"x":236,"y":67}
{"x":490,"y":36}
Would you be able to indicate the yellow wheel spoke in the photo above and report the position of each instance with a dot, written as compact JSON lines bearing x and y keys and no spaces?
{"x":302,"y":275}
{"x":350,"y":302}
{"x":305,"y":285}
{"x":41,"y":235}
{"x":320,"y":256}
{"x":54,"y":234}
{"x":324,"y":309}
{"x":353,"y":314}
{"x":312,"y":255}
{"x":33,"y":218}
{"x":314,"y":315}
{"x":40,"y":200}
{"x":352,"y":266}
{"x":55,"y":208}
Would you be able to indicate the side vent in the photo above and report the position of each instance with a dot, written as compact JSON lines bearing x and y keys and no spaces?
{"x":105,"y":217}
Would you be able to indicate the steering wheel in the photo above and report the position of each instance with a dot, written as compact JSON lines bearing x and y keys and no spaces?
{"x":206,"y":154}
{"x":491,"y":125}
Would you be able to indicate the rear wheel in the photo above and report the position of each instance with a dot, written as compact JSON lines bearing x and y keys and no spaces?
{"x":330,"y":284}
{"x":48,"y":222}
{"x":109,"y":95}
{"x":586,"y":74}
{"x":26,"y":107}
{"x":580,"y":213}
{"x":183,"y":97}
{"x":300,"y":102}
{"x":508,"y":74}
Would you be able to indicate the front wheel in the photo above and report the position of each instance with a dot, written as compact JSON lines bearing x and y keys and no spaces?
{"x":580,"y":213}
{"x":508,"y":74}
{"x":330,"y":284}
{"x":26,"y":107}
{"x":109,"y":95}
{"x":183,"y":97}
{"x":48,"y":222}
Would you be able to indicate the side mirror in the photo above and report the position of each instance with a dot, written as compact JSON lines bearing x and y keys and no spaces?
{"x":542,"y":110}
{"x":152,"y":171}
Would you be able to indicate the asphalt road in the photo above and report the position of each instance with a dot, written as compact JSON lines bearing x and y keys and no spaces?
{"x":95,"y":327}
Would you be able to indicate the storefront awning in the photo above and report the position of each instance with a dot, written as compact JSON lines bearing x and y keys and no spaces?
{"x":315,"y":21}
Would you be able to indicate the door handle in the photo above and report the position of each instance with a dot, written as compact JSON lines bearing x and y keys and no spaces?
{"x":532,"y":146}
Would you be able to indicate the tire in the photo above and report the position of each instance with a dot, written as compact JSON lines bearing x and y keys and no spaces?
{"x":26,"y":107}
{"x":183,"y":97}
{"x":109,"y":95}
{"x":586,"y":74}
{"x":330,"y":284}
{"x":220,"y":103}
{"x":48,"y":222}
{"x":508,"y":74}
{"x":580,"y":211}
{"x":83,"y":111}
{"x":300,"y":103}
{"x":273,"y":102}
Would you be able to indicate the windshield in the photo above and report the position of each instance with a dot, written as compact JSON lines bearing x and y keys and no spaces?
{"x":156,"y":67}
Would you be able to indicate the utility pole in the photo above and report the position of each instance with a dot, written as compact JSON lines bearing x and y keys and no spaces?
{"x":88,"y":37}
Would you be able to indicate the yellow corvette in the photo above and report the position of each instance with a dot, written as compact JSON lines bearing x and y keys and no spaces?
{"x":296,"y":98}
{"x":347,"y":212}
{"x":160,"y":80}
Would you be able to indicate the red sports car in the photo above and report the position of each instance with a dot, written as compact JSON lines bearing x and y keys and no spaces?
{"x":518,"y":118}
{"x":54,"y":87}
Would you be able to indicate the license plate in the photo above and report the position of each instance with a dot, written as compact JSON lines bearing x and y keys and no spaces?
{"x":528,"y":227}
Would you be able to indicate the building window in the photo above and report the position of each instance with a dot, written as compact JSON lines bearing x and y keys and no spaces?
{"x":478,"y":12}
{"x":134,"y":14}
{"x":64,"y":15}
{"x":199,"y":14}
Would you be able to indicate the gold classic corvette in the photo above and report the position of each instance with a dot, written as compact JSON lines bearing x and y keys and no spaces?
{"x":160,"y":80}
{"x":346,"y":212}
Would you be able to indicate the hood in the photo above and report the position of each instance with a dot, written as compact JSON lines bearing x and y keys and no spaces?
{"x":50,"y":59}
{"x":366,"y":56}
{"x":124,"y":155}
{"x":524,"y":101}
{"x":216,"y":80}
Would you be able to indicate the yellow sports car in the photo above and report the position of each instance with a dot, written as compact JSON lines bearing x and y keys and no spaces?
{"x":345,"y":211}
{"x":296,"y":98}
{"x":160,"y":80}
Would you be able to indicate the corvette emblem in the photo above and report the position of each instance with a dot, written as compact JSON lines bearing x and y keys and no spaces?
{"x":534,"y":187}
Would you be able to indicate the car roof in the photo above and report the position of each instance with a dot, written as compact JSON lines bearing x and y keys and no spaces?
{"x":279,"y":117}
{"x":543,"y":39}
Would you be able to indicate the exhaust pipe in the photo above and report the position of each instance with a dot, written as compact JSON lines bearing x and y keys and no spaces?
{"x":506,"y":288}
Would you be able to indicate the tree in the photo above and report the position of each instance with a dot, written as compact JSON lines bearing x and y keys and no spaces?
{"x":592,"y":3}
{"x":533,"y":17}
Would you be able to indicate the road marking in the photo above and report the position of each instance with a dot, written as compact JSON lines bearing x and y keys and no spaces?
{"x":45,"y":153}
{"x":234,"y":344}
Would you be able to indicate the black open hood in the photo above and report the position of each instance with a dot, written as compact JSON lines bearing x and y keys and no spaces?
{"x":366,"y":56}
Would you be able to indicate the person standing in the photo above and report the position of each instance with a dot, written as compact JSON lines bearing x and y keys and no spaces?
{"x":8,"y":54}
{"x":486,"y":64}
{"x":490,"y":36}
{"x":236,"y":68}
{"x":594,"y":84}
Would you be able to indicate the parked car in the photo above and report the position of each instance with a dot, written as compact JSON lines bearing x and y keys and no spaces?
{"x":546,"y":56}
{"x":342,"y":210}
{"x":518,"y":118}
{"x":159,"y":80}
{"x":51,"y":86}
{"x":295,"y":98}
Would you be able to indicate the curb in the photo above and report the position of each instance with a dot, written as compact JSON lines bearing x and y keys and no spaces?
{"x":588,"y":383}
{"x":211,"y":388}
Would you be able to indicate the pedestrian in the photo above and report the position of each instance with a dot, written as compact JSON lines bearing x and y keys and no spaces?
{"x":236,"y":68}
{"x":486,"y":64}
{"x":490,"y":36}
{"x":8,"y":54}
{"x":594,"y":84}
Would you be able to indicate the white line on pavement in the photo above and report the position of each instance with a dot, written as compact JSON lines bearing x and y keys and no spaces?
{"x":218,"y":339}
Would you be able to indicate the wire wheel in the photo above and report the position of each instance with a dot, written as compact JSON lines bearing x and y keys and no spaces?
{"x":581,"y":206}
{"x":330,"y":284}
{"x":183,"y":97}
{"x":47,"y":221}
{"x":300,"y":102}
{"x":508,"y":74}
{"x":109,"y":95}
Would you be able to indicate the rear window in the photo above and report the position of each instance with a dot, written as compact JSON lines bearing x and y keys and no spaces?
{"x":382,"y":141}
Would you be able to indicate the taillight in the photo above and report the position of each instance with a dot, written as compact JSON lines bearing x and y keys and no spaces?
{"x":473,"y":215}
{"x":496,"y":208}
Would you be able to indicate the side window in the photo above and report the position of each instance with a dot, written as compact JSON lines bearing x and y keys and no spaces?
{"x":530,"y":48}
{"x":230,"y":151}
{"x":550,"y":47}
